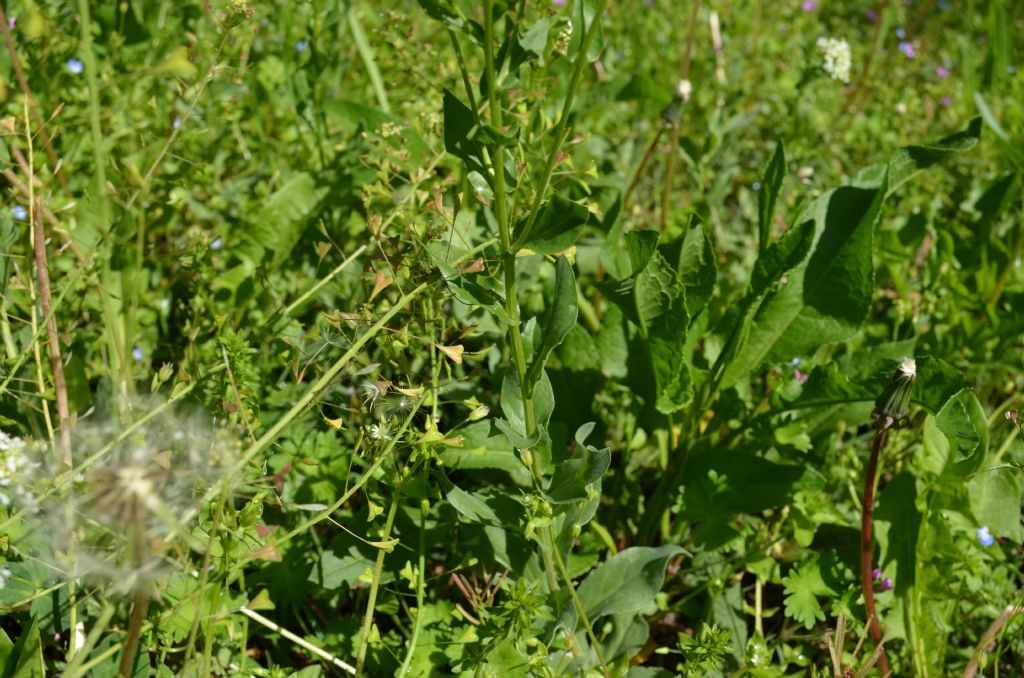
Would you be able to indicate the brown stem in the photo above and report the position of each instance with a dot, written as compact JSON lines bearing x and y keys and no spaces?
{"x":867,"y":509}
{"x":131,"y":645}
{"x":46,"y":300}
{"x":23,"y":83}
{"x":989,"y":636}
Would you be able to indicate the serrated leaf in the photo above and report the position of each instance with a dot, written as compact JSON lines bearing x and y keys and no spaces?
{"x":802,"y":587}
{"x":697,"y":268}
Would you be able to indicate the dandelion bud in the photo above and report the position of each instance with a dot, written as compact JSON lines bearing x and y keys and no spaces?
{"x":892,"y":406}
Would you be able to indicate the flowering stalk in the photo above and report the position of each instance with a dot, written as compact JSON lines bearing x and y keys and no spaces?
{"x":890,"y":411}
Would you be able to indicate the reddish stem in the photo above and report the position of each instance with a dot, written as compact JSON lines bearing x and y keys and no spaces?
{"x":865,"y":548}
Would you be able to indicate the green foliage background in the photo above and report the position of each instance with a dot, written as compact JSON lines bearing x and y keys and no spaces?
{"x":460,"y":337}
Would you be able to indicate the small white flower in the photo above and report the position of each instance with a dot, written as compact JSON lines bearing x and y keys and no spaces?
{"x":379,"y":432}
{"x":684,"y":89}
{"x":4,"y":576}
{"x":837,"y":57}
{"x":909,"y":368}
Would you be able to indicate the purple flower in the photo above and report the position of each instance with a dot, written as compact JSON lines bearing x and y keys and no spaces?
{"x":74,"y":66}
{"x":946,"y":101}
{"x":872,"y":15}
{"x":557,"y":2}
{"x":800,"y":376}
{"x":876,"y":573}
{"x":984,"y":536}
{"x":10,"y":22}
{"x":19,"y":212}
{"x":886,"y":584}
{"x":908,"y":48}
{"x":809,"y":5}
{"x":941,"y":72}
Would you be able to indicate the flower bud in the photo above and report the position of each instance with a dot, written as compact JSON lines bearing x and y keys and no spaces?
{"x":893,"y":404}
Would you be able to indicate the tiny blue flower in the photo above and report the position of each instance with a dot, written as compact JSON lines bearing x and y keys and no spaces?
{"x":301,"y":46}
{"x":795,"y":362}
{"x":217,"y":244}
{"x":137,"y":354}
{"x":177,"y":122}
{"x":1011,"y":69}
{"x":75,"y":67}
{"x":756,"y":186}
{"x":984,"y":536}
{"x":943,"y":4}
{"x":19,"y":212}
{"x":900,"y":33}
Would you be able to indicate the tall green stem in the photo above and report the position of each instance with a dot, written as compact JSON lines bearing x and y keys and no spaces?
{"x":508,"y":255}
{"x":378,"y":569}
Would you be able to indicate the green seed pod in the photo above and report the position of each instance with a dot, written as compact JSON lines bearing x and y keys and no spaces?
{"x":893,"y":404}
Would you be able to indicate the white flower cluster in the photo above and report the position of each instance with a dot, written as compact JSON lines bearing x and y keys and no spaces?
{"x":14,"y":464}
{"x":837,"y":57}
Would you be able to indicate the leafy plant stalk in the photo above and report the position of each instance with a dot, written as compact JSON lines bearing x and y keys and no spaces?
{"x":563,"y":121}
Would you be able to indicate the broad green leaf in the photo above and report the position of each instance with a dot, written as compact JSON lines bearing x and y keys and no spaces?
{"x":640,"y":245}
{"x":472,"y":507}
{"x":459,"y":122}
{"x":996,"y":498}
{"x":571,"y":478}
{"x":627,"y":582}
{"x":898,"y":522}
{"x":698,"y":269}
{"x":781,"y":257}
{"x":353,"y":114}
{"x":530,"y":44}
{"x":937,"y":381}
{"x":774,"y":174}
{"x":512,"y":401}
{"x":278,"y":226}
{"x":908,"y":161}
{"x":827,"y":385}
{"x":666,"y":341}
{"x":826,"y":298}
{"x":559,"y":320}
{"x":963,"y":421}
{"x":559,"y":223}
{"x":612,"y":343}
